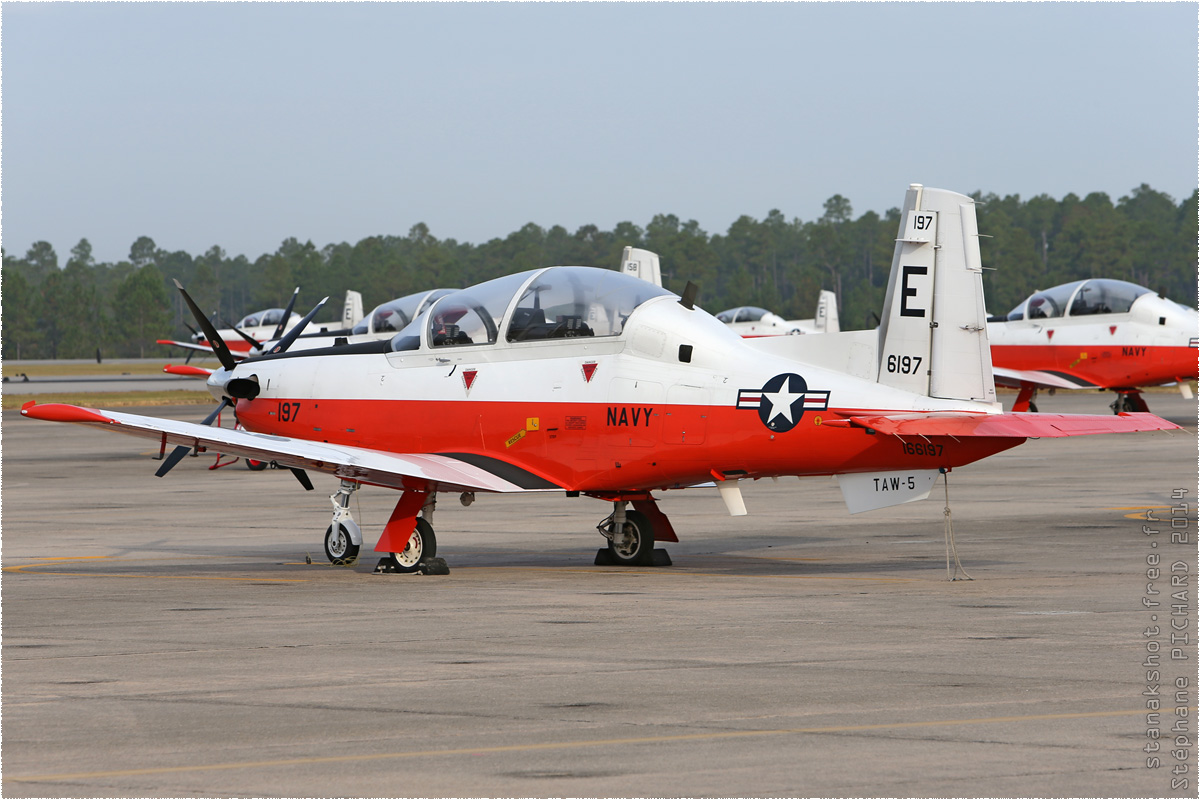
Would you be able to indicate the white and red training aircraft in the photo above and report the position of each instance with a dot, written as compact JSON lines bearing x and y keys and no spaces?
{"x":1096,"y":334}
{"x":247,"y":335}
{"x":752,"y":321}
{"x":588,"y":381}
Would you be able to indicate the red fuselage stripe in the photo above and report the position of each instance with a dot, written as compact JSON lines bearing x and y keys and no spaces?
{"x":610,"y":446}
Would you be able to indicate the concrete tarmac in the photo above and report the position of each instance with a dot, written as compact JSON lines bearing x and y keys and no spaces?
{"x":166,"y":637}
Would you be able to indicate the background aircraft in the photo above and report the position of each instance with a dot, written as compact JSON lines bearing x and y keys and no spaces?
{"x":252,"y":330}
{"x":1095,"y":334}
{"x":750,"y":321}
{"x":589,"y":381}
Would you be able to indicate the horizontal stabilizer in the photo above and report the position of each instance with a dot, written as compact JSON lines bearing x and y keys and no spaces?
{"x":1022,"y":426}
{"x":396,"y":470}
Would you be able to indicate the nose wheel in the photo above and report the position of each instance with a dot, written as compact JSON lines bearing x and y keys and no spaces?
{"x":343,"y":539}
{"x":340,"y":548}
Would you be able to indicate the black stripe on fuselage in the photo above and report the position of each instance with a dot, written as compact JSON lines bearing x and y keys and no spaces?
{"x":1080,"y":382}
{"x":358,"y":349}
{"x":502,"y":469}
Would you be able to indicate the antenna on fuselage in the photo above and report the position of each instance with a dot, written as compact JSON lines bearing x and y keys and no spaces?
{"x":688,"y":300}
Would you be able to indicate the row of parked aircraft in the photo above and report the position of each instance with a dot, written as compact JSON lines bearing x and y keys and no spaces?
{"x":601,"y":383}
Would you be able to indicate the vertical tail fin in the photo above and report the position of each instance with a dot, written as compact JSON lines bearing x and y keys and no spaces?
{"x":352,"y":309}
{"x":826,"y":318}
{"x":933,"y":334}
{"x":641,"y":264}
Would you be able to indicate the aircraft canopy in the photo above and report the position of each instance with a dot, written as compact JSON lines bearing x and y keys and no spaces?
{"x":395,"y":314}
{"x":742,"y":314}
{"x":269,"y":316}
{"x":1080,"y":298}
{"x":551,"y":303}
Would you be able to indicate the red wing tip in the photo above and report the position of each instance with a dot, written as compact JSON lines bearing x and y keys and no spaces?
{"x":61,"y":412}
{"x":186,"y":369}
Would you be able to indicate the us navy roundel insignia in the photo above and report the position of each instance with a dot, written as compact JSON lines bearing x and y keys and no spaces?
{"x":782,"y":400}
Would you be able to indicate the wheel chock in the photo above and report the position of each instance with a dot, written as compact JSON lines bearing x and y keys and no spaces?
{"x":660,"y":558}
{"x":432,"y":566}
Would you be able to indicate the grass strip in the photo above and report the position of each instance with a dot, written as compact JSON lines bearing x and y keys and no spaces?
{"x":111,"y":399}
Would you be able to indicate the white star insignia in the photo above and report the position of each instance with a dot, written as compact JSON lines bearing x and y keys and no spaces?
{"x":781,"y":402}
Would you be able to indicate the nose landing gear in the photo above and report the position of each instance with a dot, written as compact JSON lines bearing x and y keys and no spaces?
{"x":343,"y":539}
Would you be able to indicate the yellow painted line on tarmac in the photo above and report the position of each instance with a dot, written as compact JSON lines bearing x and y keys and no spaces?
{"x":1142,"y":511}
{"x":42,"y":563}
{"x":547,"y":746}
{"x":1132,"y":508}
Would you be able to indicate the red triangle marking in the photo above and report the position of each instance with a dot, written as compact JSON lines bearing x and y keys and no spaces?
{"x":1112,"y":329}
{"x":469,"y":377}
{"x":1049,"y":334}
{"x":589,"y":369}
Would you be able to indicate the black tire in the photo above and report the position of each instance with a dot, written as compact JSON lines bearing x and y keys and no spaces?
{"x":421,"y":545}
{"x":638,"y":550}
{"x":251,"y":464}
{"x":339,"y":549}
{"x":1032,"y":407}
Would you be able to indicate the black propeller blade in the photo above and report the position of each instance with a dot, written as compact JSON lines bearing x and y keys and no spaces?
{"x":214,"y":341}
{"x":182,"y":450}
{"x":295,"y":332}
{"x":253,"y":342}
{"x":287,"y":314}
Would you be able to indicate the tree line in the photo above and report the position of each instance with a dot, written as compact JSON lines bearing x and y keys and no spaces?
{"x":780,"y":264}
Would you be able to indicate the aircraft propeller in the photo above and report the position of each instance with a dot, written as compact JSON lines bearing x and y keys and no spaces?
{"x":245,"y":388}
{"x":287,"y":313}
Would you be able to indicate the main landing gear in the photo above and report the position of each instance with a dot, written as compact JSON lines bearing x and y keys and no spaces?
{"x":631,"y":535}
{"x":1128,"y":401}
{"x":410,"y":545}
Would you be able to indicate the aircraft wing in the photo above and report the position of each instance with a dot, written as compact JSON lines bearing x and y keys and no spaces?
{"x":455,"y":472}
{"x":199,"y":348}
{"x":1053,"y":380}
{"x":1024,"y":426}
{"x":187,"y":371}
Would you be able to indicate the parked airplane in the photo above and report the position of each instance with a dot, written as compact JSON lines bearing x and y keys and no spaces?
{"x":587,"y":381}
{"x":270,"y":323}
{"x":751,"y":321}
{"x":1095,"y":334}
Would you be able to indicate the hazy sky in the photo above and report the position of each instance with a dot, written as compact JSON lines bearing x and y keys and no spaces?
{"x":240,"y":125}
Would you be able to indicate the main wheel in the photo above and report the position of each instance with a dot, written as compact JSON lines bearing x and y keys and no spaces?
{"x":421,"y":545}
{"x":255,"y":465}
{"x":338,"y":547}
{"x":633,"y":547}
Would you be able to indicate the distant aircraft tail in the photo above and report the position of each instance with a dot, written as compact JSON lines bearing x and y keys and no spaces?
{"x":826,"y":318}
{"x":641,"y":264}
{"x":352,"y":309}
{"x":933,"y":334}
